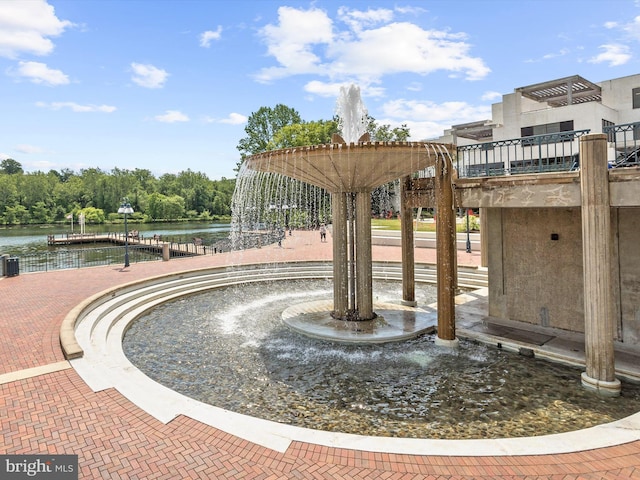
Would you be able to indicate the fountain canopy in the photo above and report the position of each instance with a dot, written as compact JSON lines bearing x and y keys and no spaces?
{"x":350,"y":163}
{"x":346,"y":167}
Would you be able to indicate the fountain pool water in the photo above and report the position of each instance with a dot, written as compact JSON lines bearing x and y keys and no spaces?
{"x":238,"y":355}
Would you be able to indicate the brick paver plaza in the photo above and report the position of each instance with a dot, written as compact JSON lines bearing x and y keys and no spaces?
{"x":45,"y":407}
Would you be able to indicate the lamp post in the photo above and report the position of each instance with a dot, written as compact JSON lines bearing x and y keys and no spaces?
{"x":125,"y":207}
{"x":468,"y":239}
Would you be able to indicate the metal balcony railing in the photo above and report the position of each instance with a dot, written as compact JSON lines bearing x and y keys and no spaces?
{"x":626,"y":142}
{"x":535,"y":154}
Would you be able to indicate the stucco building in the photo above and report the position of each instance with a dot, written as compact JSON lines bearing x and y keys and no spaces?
{"x":554,"y":256}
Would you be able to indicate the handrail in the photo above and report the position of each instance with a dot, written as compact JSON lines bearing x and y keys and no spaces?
{"x":532,"y":154}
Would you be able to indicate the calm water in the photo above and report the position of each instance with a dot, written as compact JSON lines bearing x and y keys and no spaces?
{"x":229,"y":348}
{"x":33,"y":239}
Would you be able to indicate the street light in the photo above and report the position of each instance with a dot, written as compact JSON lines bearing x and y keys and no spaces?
{"x":125,"y":207}
{"x":468,"y":238}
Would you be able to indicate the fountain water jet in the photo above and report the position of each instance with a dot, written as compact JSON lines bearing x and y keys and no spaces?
{"x":350,"y":168}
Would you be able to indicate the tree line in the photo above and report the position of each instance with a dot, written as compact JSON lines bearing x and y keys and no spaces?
{"x":41,"y":198}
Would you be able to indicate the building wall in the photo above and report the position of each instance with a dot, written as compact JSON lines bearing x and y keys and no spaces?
{"x":541,"y":278}
{"x":616,"y":94}
{"x":537,"y":280}
{"x":628,"y":246}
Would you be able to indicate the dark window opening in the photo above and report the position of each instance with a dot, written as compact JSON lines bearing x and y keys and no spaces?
{"x":611,"y":134}
{"x":546,"y":129}
{"x":635,"y":93}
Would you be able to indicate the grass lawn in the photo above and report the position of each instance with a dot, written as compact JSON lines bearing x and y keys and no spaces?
{"x":394,"y":224}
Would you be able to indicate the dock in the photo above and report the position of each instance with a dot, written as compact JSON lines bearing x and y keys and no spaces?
{"x":134,"y":240}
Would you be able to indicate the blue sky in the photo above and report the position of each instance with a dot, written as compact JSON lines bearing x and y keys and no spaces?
{"x":167,"y":85}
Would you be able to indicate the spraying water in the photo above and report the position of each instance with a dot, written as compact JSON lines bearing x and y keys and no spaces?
{"x":265,"y":204}
{"x":352,"y":114}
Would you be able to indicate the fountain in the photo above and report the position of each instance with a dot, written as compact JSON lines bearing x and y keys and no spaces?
{"x":350,"y":168}
{"x":216,"y":335}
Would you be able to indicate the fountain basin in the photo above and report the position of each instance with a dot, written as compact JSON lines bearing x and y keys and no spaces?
{"x":393,"y":323}
{"x":105,"y":319}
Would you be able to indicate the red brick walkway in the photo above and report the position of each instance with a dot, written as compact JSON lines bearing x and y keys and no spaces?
{"x":57,"y":413}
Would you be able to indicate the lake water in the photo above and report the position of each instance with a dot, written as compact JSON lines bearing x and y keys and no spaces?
{"x":22,"y":240}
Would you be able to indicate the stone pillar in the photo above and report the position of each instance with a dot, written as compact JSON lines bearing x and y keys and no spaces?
{"x":408,"y":253}
{"x":596,"y":253}
{"x":166,"y":254}
{"x":484,"y":253}
{"x":364,"y":286}
{"x":340,"y":257}
{"x":446,"y":252}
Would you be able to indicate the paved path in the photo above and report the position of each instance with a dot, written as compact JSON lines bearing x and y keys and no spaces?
{"x":46,"y":408}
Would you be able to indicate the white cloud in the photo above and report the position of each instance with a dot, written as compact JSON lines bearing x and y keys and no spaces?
{"x":560,"y":53}
{"x":358,"y":19}
{"x":37,"y":72}
{"x":323,"y":89}
{"x":172,"y":116}
{"x":28,"y":149}
{"x":613,"y":54}
{"x":633,"y":28}
{"x":234,"y":119}
{"x":428,"y":119}
{"x":206,"y":37}
{"x":76,"y":107}
{"x":291,"y":42}
{"x":308,"y":42}
{"x":332,"y":90}
{"x":411,"y":10}
{"x":25,"y":27}
{"x":491,"y":96}
{"x":148,"y":76}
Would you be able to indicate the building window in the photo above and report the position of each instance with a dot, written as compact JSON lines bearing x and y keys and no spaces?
{"x":545,"y":129}
{"x":635,"y":93}
{"x":611,"y":134}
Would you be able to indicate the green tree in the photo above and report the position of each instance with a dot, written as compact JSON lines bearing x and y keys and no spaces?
{"x":16,"y":215}
{"x":8,"y":191}
{"x":10,"y":166}
{"x":69,"y":195}
{"x":384,"y":133}
{"x":174,"y":207}
{"x":36,"y":187}
{"x":93,"y":215}
{"x":304,"y":133}
{"x":40,"y":213}
{"x":263,"y":125}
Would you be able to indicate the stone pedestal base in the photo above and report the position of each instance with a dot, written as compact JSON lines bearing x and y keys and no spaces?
{"x":393,"y":323}
{"x":606,"y":389}
{"x":447,"y":343}
{"x":409,"y":303}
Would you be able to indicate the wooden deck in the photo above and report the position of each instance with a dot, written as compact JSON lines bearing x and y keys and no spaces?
{"x":151,"y":243}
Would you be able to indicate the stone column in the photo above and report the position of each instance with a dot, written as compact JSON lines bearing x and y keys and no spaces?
{"x":340,"y":257}
{"x":484,"y":253}
{"x":364,"y":286}
{"x":446,"y":252}
{"x":596,"y":253}
{"x":408,"y":253}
